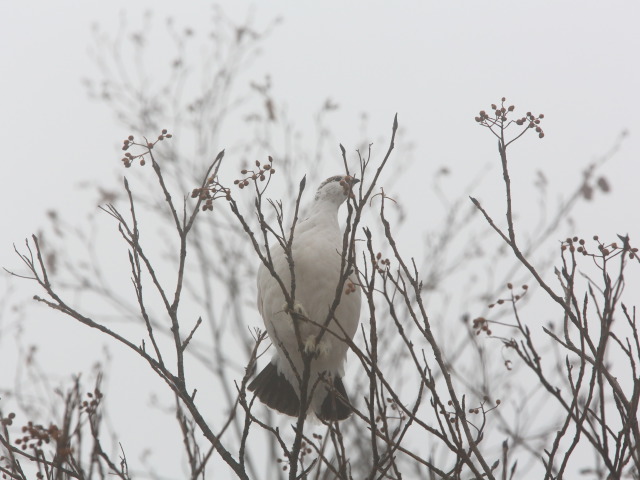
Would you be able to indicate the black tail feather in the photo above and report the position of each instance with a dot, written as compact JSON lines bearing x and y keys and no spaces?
{"x":275,"y":391}
{"x":333,"y":407}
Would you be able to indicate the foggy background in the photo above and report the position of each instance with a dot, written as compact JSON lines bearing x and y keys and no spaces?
{"x":435,"y":64}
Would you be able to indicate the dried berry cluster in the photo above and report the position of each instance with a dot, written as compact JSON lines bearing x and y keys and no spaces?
{"x":452,"y":416}
{"x":8,"y":468}
{"x":602,"y":183}
{"x":393,"y":406}
{"x":284,"y":467}
{"x":305,"y":449}
{"x":498,"y":113}
{"x":381,"y":264}
{"x":500,"y":118}
{"x":90,"y":405}
{"x":212,"y":190}
{"x":481,"y":408}
{"x":610,"y":250}
{"x":514,"y":298}
{"x":8,"y":420}
{"x":256,"y":175}
{"x":480,"y":325}
{"x":129,"y":142}
{"x":35,"y":436}
{"x":350,"y":288}
{"x":532,"y":122}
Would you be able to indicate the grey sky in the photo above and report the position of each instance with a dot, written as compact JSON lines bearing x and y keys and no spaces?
{"x":434,"y":63}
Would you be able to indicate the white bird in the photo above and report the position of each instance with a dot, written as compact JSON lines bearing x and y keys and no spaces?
{"x":317,"y":257}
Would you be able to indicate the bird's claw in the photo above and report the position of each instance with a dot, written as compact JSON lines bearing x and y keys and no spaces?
{"x":297,"y":310}
{"x":320,"y":349}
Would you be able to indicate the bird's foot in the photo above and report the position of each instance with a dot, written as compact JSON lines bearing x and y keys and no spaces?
{"x":297,"y":310}
{"x":319,"y":349}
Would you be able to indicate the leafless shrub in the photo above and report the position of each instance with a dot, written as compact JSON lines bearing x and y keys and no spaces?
{"x":421,"y":411}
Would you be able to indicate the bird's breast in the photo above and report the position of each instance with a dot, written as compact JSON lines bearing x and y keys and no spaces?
{"x":317,"y":262}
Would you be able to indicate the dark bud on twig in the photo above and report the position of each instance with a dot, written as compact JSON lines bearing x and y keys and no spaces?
{"x":603,"y":184}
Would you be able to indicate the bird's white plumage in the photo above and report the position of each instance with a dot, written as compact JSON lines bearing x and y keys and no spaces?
{"x":317,"y":256}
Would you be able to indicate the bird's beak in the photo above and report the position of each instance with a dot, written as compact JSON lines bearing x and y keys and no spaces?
{"x":351,"y":182}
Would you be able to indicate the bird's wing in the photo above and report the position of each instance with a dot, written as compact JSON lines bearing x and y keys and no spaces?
{"x":260,"y":280}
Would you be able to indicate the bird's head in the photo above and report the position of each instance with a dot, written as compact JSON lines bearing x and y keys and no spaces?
{"x":336,"y":189}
